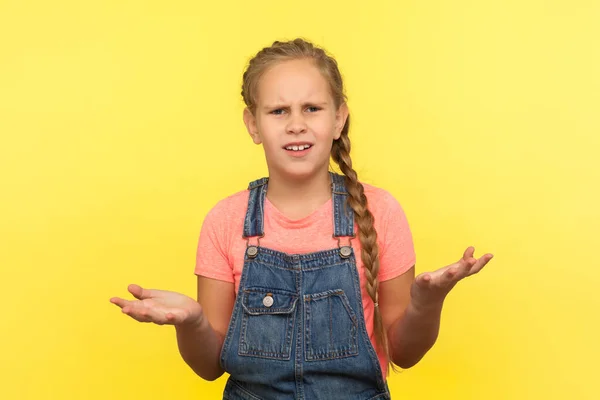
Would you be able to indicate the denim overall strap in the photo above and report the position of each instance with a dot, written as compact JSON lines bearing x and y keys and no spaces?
{"x":343,"y":215}
{"x":254,"y":220}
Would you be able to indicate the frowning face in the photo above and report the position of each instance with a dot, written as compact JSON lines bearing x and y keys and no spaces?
{"x":296,"y":119}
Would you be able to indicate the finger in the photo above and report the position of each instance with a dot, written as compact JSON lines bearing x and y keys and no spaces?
{"x":467,"y":259}
{"x":468,"y":253}
{"x":136,"y":314}
{"x":482,"y":262}
{"x":120,"y":302}
{"x":450,"y":276}
{"x":140,"y":293}
{"x":466,"y":266}
{"x":171,"y":318}
{"x":424,"y":280}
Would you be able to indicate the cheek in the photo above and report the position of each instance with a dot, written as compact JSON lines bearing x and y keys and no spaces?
{"x":324,"y":127}
{"x":269,"y":136}
{"x":263,"y":128}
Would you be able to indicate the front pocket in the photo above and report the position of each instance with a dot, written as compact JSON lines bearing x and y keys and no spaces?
{"x":267,"y":323}
{"x":330,"y":326}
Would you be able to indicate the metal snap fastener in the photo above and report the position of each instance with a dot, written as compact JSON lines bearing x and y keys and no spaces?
{"x":252,"y":251}
{"x":268,"y":301}
{"x":345,"y":251}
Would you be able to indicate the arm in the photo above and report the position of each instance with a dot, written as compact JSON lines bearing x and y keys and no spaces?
{"x":200,"y":342}
{"x":200,"y":324}
{"x":411,"y":307}
{"x":411,"y":332}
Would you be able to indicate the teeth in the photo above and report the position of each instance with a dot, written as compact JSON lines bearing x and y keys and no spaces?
{"x":298,"y":148}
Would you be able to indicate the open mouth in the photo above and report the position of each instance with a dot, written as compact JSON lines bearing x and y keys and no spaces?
{"x":301,"y":147}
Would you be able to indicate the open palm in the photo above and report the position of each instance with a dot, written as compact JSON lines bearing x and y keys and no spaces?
{"x":159,"y":306}
{"x":430,"y":288}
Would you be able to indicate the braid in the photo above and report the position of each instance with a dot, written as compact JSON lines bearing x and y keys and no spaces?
{"x":340,"y":152}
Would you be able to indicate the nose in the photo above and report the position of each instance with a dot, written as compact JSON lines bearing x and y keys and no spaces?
{"x":296,"y":123}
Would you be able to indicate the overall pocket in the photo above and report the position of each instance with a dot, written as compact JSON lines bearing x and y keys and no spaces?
{"x":267,"y":323}
{"x":330,"y":326}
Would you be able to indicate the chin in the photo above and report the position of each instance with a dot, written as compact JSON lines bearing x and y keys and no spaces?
{"x":303,"y":172}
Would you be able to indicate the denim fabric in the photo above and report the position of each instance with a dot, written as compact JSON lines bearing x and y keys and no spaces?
{"x":297,"y":330}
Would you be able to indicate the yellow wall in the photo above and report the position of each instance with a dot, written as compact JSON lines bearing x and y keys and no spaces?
{"x":121,"y":126}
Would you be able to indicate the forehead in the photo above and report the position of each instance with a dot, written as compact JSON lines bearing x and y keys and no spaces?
{"x":293,"y":80}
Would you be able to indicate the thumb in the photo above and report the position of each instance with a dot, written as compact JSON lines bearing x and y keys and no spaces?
{"x":140,"y":293}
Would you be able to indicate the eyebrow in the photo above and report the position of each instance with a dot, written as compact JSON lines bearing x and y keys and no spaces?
{"x":305,"y":104}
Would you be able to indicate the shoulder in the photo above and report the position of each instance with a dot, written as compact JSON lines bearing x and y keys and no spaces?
{"x":381,"y":201}
{"x":232,"y":202}
{"x":387,"y":211}
{"x":228,"y":209}
{"x":397,"y":253}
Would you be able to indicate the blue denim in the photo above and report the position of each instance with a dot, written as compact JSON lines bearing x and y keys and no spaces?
{"x":297,"y":330}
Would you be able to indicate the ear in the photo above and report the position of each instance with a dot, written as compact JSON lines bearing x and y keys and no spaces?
{"x":341,"y":115}
{"x":250,"y":122}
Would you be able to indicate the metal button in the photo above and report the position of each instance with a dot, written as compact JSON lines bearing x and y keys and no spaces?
{"x":252,"y":251}
{"x":268,"y":301}
{"x":345,"y":251}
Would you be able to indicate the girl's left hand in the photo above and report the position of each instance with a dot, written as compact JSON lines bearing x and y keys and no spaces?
{"x":429,"y":289}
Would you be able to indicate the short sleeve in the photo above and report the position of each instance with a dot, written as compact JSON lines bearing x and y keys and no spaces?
{"x":397,"y":252}
{"x":212,"y":260}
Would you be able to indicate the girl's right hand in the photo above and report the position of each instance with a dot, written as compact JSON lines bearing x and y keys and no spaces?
{"x":160,"y":307}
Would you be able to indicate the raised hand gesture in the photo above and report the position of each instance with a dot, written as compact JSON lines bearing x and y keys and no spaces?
{"x":429,"y":289}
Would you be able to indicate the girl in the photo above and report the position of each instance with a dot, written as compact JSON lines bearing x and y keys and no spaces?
{"x":288,"y":303}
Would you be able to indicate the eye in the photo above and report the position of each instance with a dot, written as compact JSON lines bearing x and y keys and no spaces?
{"x":313,"y":109}
{"x":279,"y":111}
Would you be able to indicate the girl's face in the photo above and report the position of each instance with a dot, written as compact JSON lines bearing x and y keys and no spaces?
{"x":295,"y":119}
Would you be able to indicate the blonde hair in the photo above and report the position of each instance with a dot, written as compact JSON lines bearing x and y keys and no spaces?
{"x":340,"y":152}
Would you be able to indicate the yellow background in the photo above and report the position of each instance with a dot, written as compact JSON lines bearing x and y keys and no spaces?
{"x":121,"y":127}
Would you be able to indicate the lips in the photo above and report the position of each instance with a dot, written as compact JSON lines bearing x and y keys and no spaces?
{"x":297,"y":146}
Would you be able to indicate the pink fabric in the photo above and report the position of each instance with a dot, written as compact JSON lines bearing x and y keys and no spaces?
{"x":221,"y":248}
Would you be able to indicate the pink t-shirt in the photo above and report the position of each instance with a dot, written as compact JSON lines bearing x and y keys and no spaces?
{"x":221,"y":248}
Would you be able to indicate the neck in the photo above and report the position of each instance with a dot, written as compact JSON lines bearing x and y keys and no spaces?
{"x":299,"y":196}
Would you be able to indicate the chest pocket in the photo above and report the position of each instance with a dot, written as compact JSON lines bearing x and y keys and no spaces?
{"x":267,"y":323}
{"x":330,"y":326}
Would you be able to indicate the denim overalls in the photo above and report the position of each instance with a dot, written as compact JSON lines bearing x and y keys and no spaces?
{"x":297,"y":330}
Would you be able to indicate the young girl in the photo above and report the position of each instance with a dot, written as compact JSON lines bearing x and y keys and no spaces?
{"x":288,"y":303}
